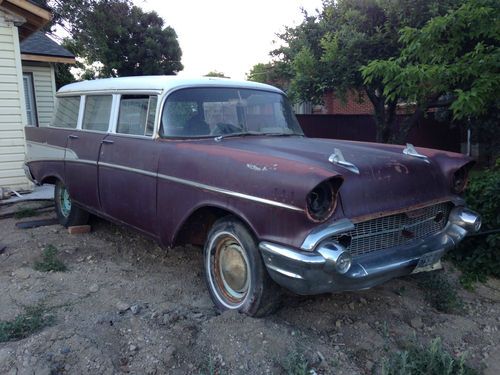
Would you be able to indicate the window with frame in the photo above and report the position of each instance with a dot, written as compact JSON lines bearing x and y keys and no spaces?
{"x":29,"y":98}
{"x":215,"y":111}
{"x":137,"y":114}
{"x":97,"y":112}
{"x":66,"y":112}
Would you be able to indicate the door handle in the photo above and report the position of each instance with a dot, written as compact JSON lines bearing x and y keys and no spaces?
{"x":107,"y":141}
{"x":72,"y":136}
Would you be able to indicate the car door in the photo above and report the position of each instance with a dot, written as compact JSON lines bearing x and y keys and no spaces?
{"x":83,"y":147}
{"x":128,"y":165}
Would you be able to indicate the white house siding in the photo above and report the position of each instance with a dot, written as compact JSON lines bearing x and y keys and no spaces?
{"x":12,"y":114}
{"x":45,"y":90}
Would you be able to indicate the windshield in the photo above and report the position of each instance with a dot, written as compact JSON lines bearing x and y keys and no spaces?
{"x":208,"y":111}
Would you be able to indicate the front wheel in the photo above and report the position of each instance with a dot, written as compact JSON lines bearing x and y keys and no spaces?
{"x":234,"y":271}
{"x":67,"y":213}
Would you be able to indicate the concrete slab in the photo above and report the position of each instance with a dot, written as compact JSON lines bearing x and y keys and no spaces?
{"x":44,"y":192}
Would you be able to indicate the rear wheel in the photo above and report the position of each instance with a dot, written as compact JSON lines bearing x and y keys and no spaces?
{"x":67,"y":213}
{"x":235,"y":273}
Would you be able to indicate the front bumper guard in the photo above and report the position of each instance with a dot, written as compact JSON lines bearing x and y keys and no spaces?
{"x":313,"y":272}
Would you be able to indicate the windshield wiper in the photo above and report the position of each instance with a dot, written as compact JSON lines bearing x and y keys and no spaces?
{"x":253,"y":133}
{"x":283,"y":134}
{"x":238,"y":134}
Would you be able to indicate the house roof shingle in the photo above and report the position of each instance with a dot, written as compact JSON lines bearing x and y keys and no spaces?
{"x":40,"y":44}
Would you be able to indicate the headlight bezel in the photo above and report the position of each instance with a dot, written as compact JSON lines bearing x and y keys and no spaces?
{"x":460,"y":179}
{"x":321,"y":201}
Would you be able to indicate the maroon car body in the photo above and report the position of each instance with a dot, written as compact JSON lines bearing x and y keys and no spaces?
{"x":324,"y":215}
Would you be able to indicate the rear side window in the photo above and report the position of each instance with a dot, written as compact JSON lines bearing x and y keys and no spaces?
{"x":66,"y":112}
{"x":97,"y":112}
{"x":137,"y":114}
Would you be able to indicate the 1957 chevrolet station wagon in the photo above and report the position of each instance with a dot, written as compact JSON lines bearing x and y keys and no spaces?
{"x":225,"y":164}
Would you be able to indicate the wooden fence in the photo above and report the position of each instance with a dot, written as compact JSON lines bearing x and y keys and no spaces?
{"x":428,"y":132}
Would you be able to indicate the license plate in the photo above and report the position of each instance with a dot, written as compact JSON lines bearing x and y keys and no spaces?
{"x":429,"y":262}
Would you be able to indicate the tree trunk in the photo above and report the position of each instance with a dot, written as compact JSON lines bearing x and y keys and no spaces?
{"x":407,"y":125}
{"x":385,"y":115}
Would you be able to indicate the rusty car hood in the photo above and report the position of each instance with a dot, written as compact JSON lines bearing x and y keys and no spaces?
{"x":286,"y":168}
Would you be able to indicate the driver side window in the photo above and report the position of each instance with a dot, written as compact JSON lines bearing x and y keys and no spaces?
{"x":184,"y":118}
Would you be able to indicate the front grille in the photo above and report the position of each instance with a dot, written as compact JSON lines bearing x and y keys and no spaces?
{"x":395,"y":230}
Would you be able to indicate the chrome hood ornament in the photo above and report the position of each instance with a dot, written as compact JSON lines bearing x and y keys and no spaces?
{"x":410,"y":151}
{"x":337,"y":158}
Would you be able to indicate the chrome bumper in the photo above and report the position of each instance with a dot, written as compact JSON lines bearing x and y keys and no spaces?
{"x":314,"y":272}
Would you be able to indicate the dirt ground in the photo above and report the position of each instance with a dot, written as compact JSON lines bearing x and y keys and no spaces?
{"x":127,"y":306}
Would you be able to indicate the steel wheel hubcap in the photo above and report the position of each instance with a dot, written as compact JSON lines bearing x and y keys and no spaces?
{"x":65,"y":201}
{"x":233,"y":270}
{"x":229,"y":270}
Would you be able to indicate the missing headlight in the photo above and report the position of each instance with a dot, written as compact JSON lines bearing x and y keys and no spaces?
{"x":459,"y":180}
{"x":322,"y":200}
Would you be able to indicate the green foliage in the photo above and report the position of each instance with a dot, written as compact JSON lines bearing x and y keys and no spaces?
{"x":121,"y":37}
{"x":215,"y":73}
{"x":274,"y":73}
{"x":431,"y":360}
{"x":456,"y":53}
{"x":23,"y":212}
{"x":31,"y":321}
{"x":478,"y":256}
{"x":213,"y":367}
{"x":326,"y":52}
{"x":439,"y":292}
{"x":50,"y":262}
{"x":296,"y":364}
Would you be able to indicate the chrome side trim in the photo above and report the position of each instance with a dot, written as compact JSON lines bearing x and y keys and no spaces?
{"x":324,"y":231}
{"x":128,"y":169}
{"x":83,"y":161}
{"x":229,"y":192}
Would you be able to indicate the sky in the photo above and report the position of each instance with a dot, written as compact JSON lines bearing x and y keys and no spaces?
{"x":229,"y":36}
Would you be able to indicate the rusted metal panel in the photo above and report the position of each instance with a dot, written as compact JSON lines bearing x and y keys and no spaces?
{"x":124,"y":193}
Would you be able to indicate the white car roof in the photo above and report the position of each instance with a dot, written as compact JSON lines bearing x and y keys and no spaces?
{"x":158,"y":83}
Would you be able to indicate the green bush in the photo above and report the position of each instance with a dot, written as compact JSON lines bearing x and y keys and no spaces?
{"x":439,"y":292}
{"x":478,"y":257}
{"x":296,"y":364}
{"x":49,"y":261}
{"x":431,"y":360}
{"x":31,"y":321}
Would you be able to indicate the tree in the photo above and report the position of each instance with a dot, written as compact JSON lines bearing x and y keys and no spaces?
{"x":455,"y":56}
{"x":273,"y":73}
{"x":326,"y":52}
{"x":119,"y":35}
{"x":215,"y":73}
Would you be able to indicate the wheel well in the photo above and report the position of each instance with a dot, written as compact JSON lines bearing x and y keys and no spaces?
{"x":49,"y":180}
{"x":195,"y":228}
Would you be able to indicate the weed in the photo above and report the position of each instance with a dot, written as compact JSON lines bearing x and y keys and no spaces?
{"x":32,"y":320}
{"x":213,"y":367}
{"x":439,"y":292}
{"x":296,"y":364}
{"x":430,"y":360}
{"x":477,"y":256}
{"x":400,"y":291}
{"x":50,"y":261}
{"x":25,"y":212}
